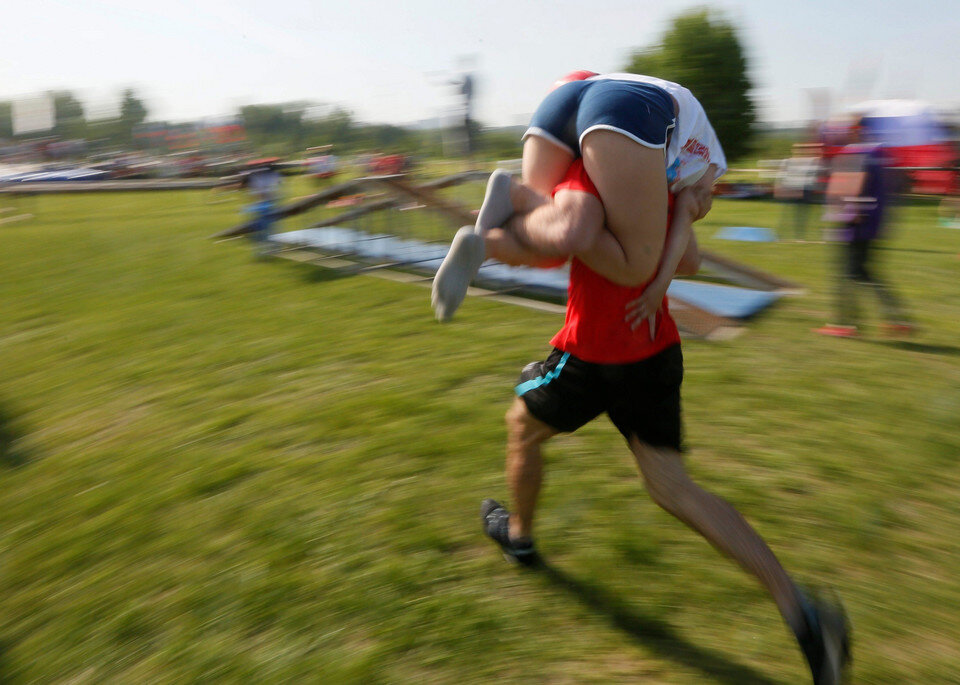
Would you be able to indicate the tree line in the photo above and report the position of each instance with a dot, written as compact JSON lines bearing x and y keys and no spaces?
{"x":700,"y":50}
{"x":71,"y":123}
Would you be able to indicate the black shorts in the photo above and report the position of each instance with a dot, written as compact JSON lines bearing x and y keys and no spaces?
{"x":642,"y":398}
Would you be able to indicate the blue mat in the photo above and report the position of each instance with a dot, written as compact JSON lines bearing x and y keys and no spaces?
{"x":750,"y":234}
{"x":723,"y":300}
{"x":56,"y":176}
{"x":422,"y":257}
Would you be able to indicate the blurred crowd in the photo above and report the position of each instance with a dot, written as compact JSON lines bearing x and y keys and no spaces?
{"x":25,"y":161}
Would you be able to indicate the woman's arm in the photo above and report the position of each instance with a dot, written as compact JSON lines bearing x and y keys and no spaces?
{"x":677,"y":254}
{"x":681,"y":255}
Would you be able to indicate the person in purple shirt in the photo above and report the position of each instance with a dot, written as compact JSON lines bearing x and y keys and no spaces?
{"x":859,"y":198}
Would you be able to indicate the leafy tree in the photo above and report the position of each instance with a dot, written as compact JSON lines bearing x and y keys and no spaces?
{"x":6,"y":120}
{"x":132,"y":110}
{"x":68,"y":118}
{"x":701,"y":51}
{"x":337,"y":128}
{"x":274,"y":125}
{"x":132,"y":113}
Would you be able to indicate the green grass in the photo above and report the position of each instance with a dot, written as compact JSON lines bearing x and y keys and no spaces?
{"x":220,"y":470}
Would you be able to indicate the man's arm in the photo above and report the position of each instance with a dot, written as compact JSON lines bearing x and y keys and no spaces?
{"x":567,"y":225}
{"x":503,"y":246}
{"x":572,"y":215}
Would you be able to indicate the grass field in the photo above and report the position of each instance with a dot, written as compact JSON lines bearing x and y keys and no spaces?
{"x":214,"y":469}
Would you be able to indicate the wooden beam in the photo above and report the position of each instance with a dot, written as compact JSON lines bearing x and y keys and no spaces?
{"x":746,"y":275}
{"x":453,"y":211}
{"x":309,"y":202}
{"x":349,"y":187}
{"x":385,"y":203}
{"x":699,"y":323}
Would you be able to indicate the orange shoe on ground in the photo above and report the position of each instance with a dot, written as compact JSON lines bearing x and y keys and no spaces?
{"x":838,"y":331}
{"x":899,"y":330}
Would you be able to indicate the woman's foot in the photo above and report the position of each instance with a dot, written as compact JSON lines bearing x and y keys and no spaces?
{"x":459,"y":267}
{"x":497,"y":206}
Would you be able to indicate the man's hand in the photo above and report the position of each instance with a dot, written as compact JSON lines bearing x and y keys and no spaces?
{"x":700,"y":194}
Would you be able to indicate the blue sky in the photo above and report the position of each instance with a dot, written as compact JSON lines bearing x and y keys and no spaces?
{"x":385,"y":60}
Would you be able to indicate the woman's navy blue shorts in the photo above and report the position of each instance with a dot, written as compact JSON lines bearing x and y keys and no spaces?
{"x":641,"y":111}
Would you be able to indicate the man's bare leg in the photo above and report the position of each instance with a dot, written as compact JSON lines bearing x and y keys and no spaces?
{"x":525,"y":435}
{"x":716,"y":520}
{"x":819,"y":626}
{"x":513,"y":531}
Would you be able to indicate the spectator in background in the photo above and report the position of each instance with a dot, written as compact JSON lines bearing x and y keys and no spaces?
{"x":262,"y":183}
{"x":324,"y":167}
{"x":949,"y":209}
{"x":796,"y":186}
{"x":858,"y":197}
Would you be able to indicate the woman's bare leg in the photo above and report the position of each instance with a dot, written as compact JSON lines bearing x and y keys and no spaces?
{"x":632,"y":182}
{"x":544,"y":164}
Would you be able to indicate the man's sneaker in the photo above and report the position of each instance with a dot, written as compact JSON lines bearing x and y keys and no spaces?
{"x":826,"y":640}
{"x":838,"y":331}
{"x":496,"y":524}
{"x":461,"y":264}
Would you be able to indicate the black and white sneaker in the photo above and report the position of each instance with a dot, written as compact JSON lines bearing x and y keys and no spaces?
{"x":826,"y":641}
{"x":496,"y":524}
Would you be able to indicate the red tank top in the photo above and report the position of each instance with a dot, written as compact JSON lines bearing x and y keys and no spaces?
{"x":595,"y":329}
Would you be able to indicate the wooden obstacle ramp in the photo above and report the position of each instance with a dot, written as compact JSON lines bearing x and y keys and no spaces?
{"x":399,"y":184}
{"x":725,"y":267}
{"x":692,"y":304}
{"x":746,"y":276}
{"x":696,"y":322}
{"x":700,"y":309}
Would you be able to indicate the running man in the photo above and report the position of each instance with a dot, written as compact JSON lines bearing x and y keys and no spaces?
{"x":603,"y":363}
